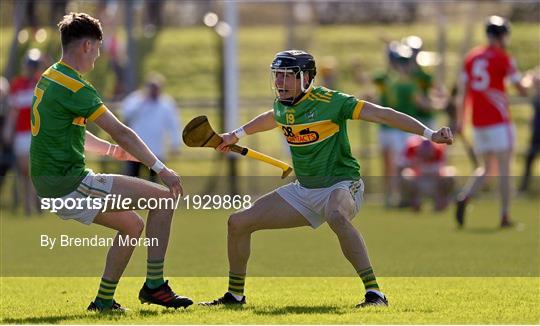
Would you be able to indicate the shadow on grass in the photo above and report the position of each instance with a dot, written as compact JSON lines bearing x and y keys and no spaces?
{"x":149,"y":313}
{"x":93,"y":316}
{"x":297,"y":310}
{"x":59,"y":318}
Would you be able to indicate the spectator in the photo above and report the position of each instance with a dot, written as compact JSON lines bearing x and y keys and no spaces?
{"x":426,"y":174}
{"x":153,"y":115}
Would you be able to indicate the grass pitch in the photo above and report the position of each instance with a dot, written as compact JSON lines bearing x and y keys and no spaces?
{"x":431,"y":272}
{"x":285,"y":300}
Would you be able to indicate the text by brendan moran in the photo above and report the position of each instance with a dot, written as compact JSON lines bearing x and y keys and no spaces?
{"x":65,"y":240}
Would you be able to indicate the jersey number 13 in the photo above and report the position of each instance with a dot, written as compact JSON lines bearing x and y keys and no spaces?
{"x":35,"y":122}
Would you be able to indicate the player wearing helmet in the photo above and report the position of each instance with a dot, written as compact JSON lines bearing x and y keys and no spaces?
{"x":329,"y":188}
{"x":397,"y":89}
{"x":483,"y":80}
{"x":423,"y":80}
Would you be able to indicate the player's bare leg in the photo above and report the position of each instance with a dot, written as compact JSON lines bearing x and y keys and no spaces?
{"x":503,"y":159}
{"x":28,"y":193}
{"x":270,"y":211}
{"x":339,"y":212}
{"x":472,"y":186}
{"x":158,"y":223}
{"x":155,"y":289}
{"x":390,"y":175}
{"x":127,"y":223}
{"x":479,"y":176}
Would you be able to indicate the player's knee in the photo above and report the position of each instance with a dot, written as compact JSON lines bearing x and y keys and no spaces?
{"x":163,"y":202}
{"x":337,"y":219}
{"x":237,"y":224}
{"x":135,"y":227}
{"x":480,"y":171}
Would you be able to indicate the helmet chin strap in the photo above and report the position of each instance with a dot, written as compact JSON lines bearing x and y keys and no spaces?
{"x":302,"y":83}
{"x":304,"y":90}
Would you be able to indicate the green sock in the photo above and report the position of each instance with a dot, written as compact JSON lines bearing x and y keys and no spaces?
{"x":369,"y":279}
{"x":154,"y":273}
{"x":104,"y":298}
{"x":236,"y":283}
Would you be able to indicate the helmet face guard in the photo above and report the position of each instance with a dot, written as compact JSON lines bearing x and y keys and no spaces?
{"x":288,"y":71}
{"x":284,"y":83}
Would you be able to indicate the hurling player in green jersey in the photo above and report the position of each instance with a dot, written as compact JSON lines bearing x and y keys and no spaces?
{"x":423,"y":80}
{"x":64,"y":102}
{"x":329,"y":189}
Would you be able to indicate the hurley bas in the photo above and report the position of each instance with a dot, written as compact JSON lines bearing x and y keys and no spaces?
{"x":96,"y":241}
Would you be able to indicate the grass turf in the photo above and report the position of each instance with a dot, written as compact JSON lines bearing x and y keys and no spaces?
{"x":431,"y":272}
{"x":285,"y":300}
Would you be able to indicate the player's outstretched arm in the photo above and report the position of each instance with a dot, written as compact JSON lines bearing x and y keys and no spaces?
{"x":263,"y":122}
{"x":376,"y":113}
{"x":94,"y":144}
{"x":130,"y":141}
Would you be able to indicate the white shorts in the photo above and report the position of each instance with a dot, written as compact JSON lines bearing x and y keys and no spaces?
{"x":311,"y":203}
{"x":496,"y":138}
{"x":393,"y":139}
{"x":21,"y":143}
{"x":95,"y":186}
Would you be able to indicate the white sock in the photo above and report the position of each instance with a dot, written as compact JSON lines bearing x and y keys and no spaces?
{"x":237,"y":297}
{"x":379,"y":293}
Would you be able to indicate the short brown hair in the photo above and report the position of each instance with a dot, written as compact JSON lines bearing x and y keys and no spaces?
{"x":75,"y":26}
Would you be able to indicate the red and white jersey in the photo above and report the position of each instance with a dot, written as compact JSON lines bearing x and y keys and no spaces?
{"x":484,"y":72}
{"x":423,"y":156}
{"x":21,"y":94}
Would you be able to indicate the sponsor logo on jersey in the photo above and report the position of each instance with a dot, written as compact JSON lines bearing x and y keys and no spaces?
{"x":309,"y":133}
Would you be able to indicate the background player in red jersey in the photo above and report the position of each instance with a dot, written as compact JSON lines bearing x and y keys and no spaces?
{"x":17,"y":126}
{"x":483,"y":80}
{"x":426,"y":174}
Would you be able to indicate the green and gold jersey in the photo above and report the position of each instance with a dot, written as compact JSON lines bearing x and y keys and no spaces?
{"x":316,"y":130}
{"x":397,"y":92}
{"x":381,"y":84}
{"x":424,"y":82}
{"x":63,"y":103}
{"x":402,"y":92}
